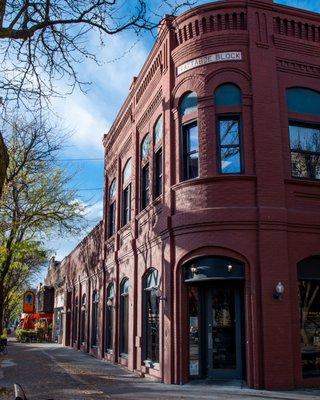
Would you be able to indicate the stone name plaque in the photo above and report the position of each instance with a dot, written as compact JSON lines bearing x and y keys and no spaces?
{"x":211,"y":58}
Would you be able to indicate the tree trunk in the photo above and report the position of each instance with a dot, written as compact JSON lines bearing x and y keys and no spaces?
{"x":3,"y":162}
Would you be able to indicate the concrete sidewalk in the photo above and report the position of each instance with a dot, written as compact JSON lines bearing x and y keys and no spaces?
{"x":51,"y":371}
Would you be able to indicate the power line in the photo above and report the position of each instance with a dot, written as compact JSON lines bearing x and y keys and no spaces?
{"x":79,"y":159}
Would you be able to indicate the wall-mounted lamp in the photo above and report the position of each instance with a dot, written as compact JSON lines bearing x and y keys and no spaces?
{"x":278,"y":291}
{"x":230,"y":267}
{"x":194,"y":269}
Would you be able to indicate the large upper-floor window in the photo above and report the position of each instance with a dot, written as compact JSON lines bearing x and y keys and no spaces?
{"x":124,"y":317}
{"x":190,"y":139}
{"x":227,"y":99}
{"x":151,"y":315}
{"x":94,"y":321}
{"x":145,"y":172}
{"x":112,"y":208}
{"x":304,"y":132}
{"x":109,"y":317}
{"x":158,"y":173}
{"x":126,"y":193}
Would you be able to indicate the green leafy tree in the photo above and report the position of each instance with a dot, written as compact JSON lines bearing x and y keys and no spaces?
{"x":36,"y":203}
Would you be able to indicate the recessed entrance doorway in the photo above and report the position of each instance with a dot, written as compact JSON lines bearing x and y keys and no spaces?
{"x":216,"y":319}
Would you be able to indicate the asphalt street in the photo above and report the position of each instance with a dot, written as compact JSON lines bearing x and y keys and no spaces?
{"x":49,"y":371}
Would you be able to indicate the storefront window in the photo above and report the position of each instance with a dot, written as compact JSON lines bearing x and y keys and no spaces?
{"x":83,"y":318}
{"x":194,"y":368}
{"x":109,"y":317}
{"x":309,"y":299}
{"x":94,"y":328}
{"x":124,"y":317}
{"x":152,"y":316}
{"x":309,"y":310}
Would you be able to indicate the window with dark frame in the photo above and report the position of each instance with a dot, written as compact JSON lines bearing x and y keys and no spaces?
{"x":109,"y":317}
{"x":190,"y":151}
{"x":158,"y":172}
{"x":94,"y":327}
{"x":305,"y":150}
{"x":158,"y":164}
{"x":126,"y":205}
{"x":151,"y":312}
{"x":126,"y":193}
{"x":145,"y":186}
{"x":83,"y":318}
{"x":144,"y":171}
{"x":75,"y":320}
{"x":112,"y":209}
{"x":304,"y":135}
{"x":124,"y":317}
{"x":229,"y":145}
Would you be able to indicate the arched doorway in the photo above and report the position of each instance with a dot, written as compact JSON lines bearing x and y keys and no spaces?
{"x":215,"y":317}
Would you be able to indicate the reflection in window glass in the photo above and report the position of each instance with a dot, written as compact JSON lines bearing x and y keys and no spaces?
{"x":305,"y":151}
{"x":127,"y":172}
{"x":152,"y":317}
{"x":194,"y":368}
{"x":309,"y":307}
{"x":189,"y":104}
{"x":190,"y":151}
{"x":145,"y":187}
{"x":145,"y":147}
{"x":229,"y":139}
{"x":158,"y":131}
{"x":112,"y":190}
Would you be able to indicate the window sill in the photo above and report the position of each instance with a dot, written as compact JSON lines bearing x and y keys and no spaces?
{"x":303,"y":181}
{"x":216,"y":178}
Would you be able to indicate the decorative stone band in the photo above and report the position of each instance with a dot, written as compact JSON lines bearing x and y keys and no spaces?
{"x":211,"y":58}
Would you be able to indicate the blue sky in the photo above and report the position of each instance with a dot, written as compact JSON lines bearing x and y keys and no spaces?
{"x":90,"y":115}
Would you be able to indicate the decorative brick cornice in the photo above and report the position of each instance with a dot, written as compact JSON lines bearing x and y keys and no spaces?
{"x":297,"y":67}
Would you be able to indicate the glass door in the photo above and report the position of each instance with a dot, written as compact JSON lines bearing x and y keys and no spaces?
{"x":215,"y":331}
{"x":224,"y":338}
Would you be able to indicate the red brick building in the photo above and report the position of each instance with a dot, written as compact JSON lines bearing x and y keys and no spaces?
{"x":210,"y":260}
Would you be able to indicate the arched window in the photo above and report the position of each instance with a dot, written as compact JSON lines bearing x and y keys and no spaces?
{"x":151,"y":316}
{"x":109,"y":317}
{"x":304,"y":136}
{"x":94,"y":325}
{"x":112,"y":208}
{"x":303,"y":101}
{"x":157,"y":139}
{"x":227,"y":95}
{"x":145,"y":179}
{"x":75,"y":319}
{"x":227,"y":100}
{"x":188,"y":103}
{"x":190,"y":139}
{"x":126,"y":193}
{"x":124,"y":317}
{"x":309,"y":308}
{"x":83,"y":318}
